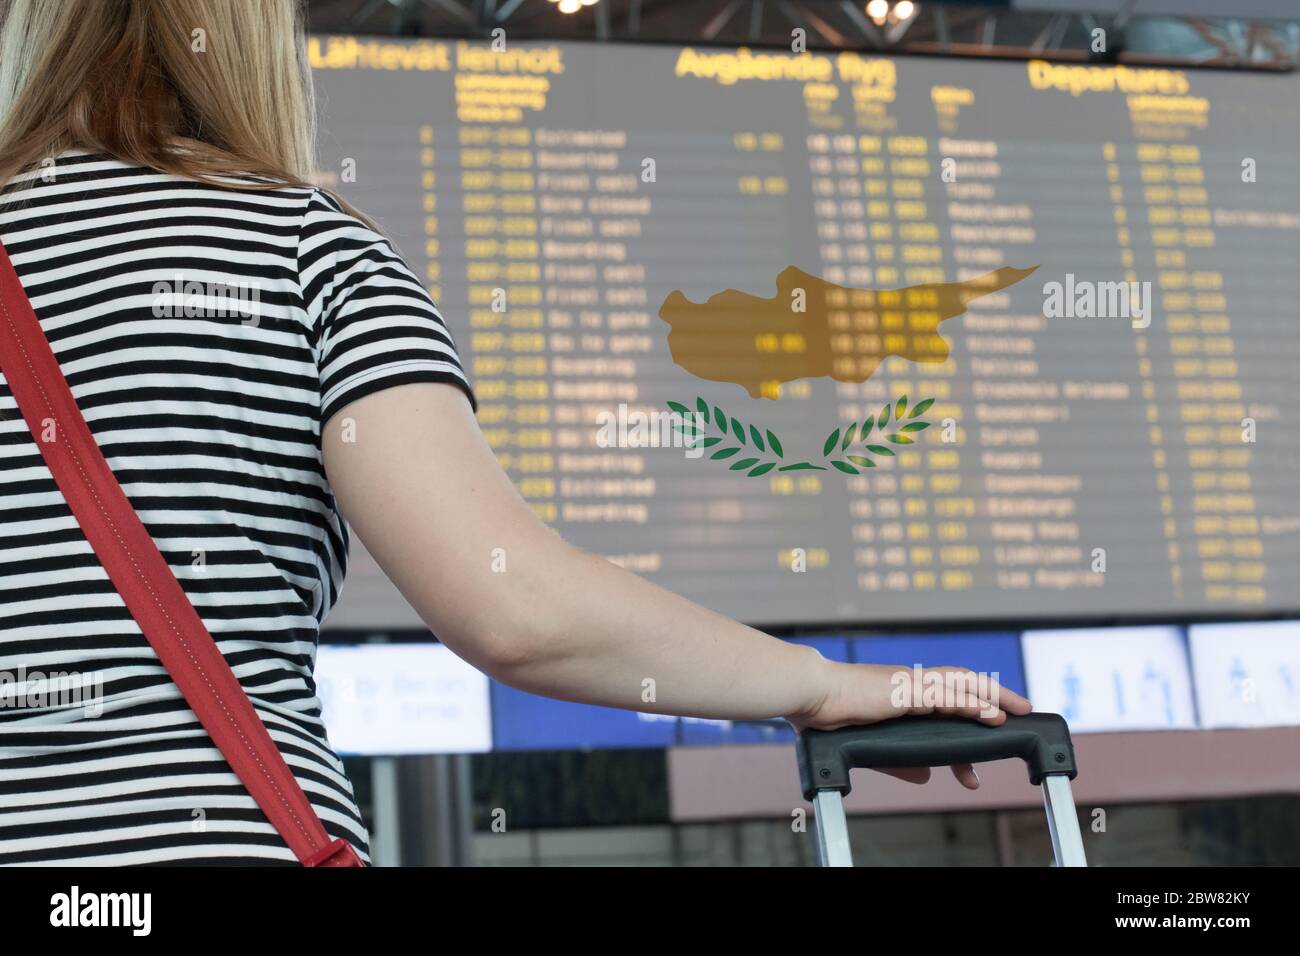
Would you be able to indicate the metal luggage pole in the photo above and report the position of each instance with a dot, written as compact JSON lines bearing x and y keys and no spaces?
{"x":1041,"y":740}
{"x":1063,"y":821}
{"x":832,"y":825}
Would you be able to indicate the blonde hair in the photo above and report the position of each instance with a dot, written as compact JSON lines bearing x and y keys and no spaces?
{"x":204,"y":89}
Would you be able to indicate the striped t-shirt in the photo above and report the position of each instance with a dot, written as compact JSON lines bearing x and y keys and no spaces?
{"x":208,"y":334}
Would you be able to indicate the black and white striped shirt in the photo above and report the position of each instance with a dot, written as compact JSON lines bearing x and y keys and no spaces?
{"x":210,"y":414}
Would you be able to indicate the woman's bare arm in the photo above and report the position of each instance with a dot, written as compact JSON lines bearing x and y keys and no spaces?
{"x":419,"y":484}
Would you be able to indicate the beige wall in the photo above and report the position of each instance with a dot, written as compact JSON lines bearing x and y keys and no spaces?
{"x":763,"y":781}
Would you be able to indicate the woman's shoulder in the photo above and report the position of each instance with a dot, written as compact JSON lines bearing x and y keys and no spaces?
{"x":88,"y":165}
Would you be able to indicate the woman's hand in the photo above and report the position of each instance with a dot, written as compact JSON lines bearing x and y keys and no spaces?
{"x":424,"y":491}
{"x":869,"y":693}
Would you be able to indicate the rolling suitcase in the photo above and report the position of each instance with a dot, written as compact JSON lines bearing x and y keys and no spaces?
{"x":1042,"y":741}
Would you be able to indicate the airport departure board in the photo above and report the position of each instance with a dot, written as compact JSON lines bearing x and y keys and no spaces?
{"x":741,"y":242}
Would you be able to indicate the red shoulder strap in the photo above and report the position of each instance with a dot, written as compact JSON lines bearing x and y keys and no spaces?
{"x":147,"y":583}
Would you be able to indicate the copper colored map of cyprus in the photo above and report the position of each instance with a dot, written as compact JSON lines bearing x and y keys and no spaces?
{"x":813,"y":328}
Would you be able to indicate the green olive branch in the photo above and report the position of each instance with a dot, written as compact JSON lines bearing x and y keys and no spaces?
{"x":736,"y":436}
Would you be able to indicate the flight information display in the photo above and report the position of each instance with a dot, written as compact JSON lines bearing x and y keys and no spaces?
{"x":835,"y":337}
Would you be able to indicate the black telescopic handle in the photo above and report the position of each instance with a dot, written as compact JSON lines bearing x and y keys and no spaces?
{"x":1042,"y":741}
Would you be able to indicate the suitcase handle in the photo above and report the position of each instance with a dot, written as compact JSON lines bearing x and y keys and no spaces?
{"x":1042,"y":741}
